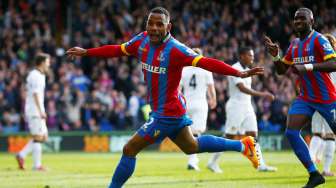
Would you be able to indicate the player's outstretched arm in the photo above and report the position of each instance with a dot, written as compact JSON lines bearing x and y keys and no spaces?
{"x":256,"y":93}
{"x":274,"y":50}
{"x":103,"y":51}
{"x":216,"y":66}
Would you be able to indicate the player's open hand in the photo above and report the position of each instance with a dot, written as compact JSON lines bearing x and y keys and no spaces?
{"x":251,"y":72}
{"x":271,"y":47}
{"x":76,"y":51}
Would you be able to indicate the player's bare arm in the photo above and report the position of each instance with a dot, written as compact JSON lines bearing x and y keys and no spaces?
{"x":274,"y":50}
{"x":256,"y":93}
{"x":328,"y":66}
{"x":212,"y":100}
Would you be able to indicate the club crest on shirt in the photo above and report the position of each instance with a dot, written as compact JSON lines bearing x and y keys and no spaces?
{"x":160,"y":57}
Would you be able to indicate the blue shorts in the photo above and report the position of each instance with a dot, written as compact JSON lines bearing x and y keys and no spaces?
{"x":156,"y":129}
{"x":327,"y":111}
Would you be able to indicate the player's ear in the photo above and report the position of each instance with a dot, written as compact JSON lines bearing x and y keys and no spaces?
{"x":169,"y":27}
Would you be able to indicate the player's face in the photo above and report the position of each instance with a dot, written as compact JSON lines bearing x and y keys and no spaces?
{"x":46,"y":65}
{"x":157,"y":27}
{"x":302,"y":21}
{"x":248,"y":57}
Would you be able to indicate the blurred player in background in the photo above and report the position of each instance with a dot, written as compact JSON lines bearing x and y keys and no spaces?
{"x":35,"y":113}
{"x":162,"y":58}
{"x":323,"y":140}
{"x":199,"y":90}
{"x":312,"y":57}
{"x":241,"y":119}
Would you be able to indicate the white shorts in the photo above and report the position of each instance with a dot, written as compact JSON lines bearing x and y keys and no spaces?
{"x":240,"y":119}
{"x":37,"y":125}
{"x":320,"y":125}
{"x":199,"y":116}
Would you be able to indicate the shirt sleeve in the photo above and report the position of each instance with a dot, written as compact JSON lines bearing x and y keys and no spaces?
{"x":130,"y":48}
{"x":236,"y":80}
{"x":288,"y":58}
{"x":210,"y":80}
{"x":185,"y":56}
{"x":325,"y":49}
{"x":33,"y":83}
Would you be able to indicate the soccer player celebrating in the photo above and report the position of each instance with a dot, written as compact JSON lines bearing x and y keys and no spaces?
{"x":162,"y":58}
{"x":35,"y":112}
{"x":242,"y":121}
{"x":312,"y":57}
{"x":323,"y":140}
{"x":199,"y":90}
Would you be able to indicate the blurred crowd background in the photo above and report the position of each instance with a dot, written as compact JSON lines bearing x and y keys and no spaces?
{"x":109,"y":94}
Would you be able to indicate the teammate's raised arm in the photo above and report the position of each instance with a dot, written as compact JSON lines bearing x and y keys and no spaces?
{"x":273,"y":49}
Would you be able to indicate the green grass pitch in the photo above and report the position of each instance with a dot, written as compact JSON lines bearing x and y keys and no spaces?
{"x":156,"y":170}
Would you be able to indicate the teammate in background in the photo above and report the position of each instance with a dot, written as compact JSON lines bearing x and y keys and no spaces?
{"x":241,"y":119}
{"x":35,"y":113}
{"x":162,"y":58}
{"x":312,"y":57}
{"x":323,"y":140}
{"x":198,"y":84}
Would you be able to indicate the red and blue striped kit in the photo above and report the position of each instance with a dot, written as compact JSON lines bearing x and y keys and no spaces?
{"x":162,"y":68}
{"x":314,"y":86}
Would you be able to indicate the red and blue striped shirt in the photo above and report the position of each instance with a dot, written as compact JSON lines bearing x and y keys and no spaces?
{"x":162,"y":68}
{"x":315,"y":48}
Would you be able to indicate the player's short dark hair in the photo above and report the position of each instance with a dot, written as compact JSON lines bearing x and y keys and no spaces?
{"x":40,"y":58}
{"x":161,"y":10}
{"x":244,"y":49}
{"x":307,"y":10}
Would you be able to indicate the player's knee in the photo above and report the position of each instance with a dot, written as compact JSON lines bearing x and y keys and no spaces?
{"x":191,"y":149}
{"x":38,"y":138}
{"x":129,"y":150}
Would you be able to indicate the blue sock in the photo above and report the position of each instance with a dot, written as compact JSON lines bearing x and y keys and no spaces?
{"x":123,"y":171}
{"x":209,"y":143}
{"x":300,"y":148}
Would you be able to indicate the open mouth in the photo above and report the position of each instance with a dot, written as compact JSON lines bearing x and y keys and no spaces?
{"x":154,"y":37}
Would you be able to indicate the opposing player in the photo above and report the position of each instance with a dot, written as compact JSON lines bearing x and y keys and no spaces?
{"x":35,"y":113}
{"x":312,"y":57}
{"x":240,"y":121}
{"x":199,"y":91}
{"x":323,"y":140}
{"x":162,"y":58}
